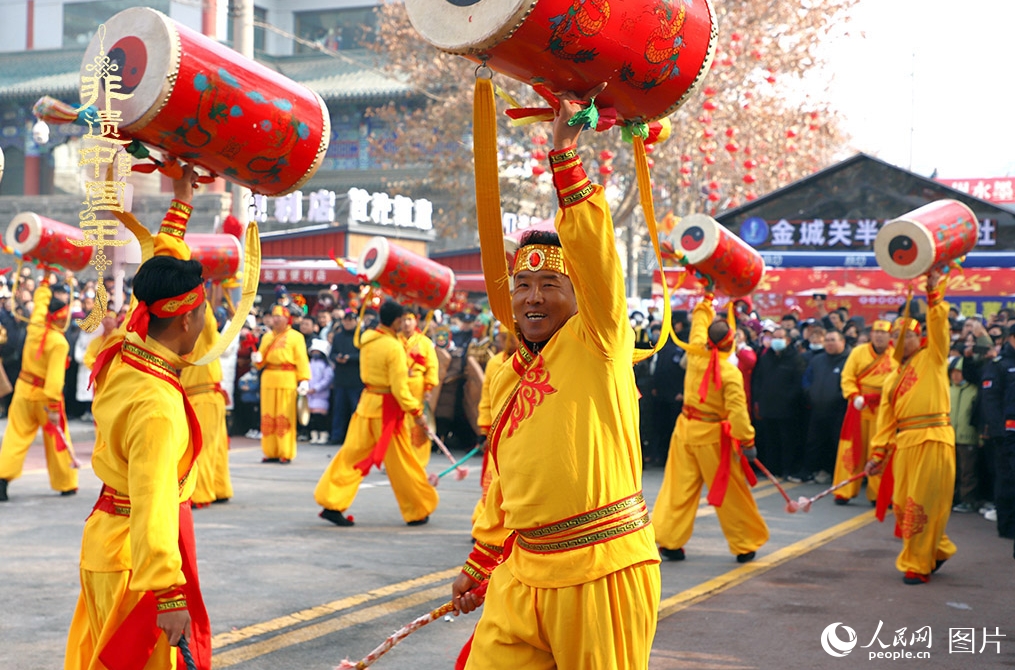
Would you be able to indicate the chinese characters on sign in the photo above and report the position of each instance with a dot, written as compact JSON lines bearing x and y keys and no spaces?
{"x":105,"y":192}
{"x":995,"y":189}
{"x":834,"y":233}
{"x":304,"y":276}
{"x":379,"y":209}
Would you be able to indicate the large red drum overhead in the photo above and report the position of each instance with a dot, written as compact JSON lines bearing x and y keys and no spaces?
{"x":733,"y":267}
{"x":204,"y":103}
{"x":45,"y":241}
{"x":408,"y":276}
{"x":925,"y":239}
{"x":220,"y":255}
{"x":652,"y":53}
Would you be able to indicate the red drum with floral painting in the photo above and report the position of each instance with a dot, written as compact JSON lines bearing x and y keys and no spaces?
{"x":652,"y":53}
{"x":204,"y":103}
{"x":220,"y":255}
{"x":408,"y":276}
{"x":925,"y":239}
{"x":733,"y":267}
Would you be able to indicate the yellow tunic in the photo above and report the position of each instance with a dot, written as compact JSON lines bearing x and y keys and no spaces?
{"x":384,"y":371}
{"x":284,"y":365}
{"x":204,"y":389}
{"x":565,"y":447}
{"x":422,"y":361}
{"x":914,"y":416}
{"x":863,"y":374}
{"x":144,"y":452}
{"x":38,"y":390}
{"x":493,"y":366}
{"x":696,"y":452}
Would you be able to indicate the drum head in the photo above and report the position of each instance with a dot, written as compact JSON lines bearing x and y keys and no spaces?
{"x":904,"y":249}
{"x":467,"y":26}
{"x":144,"y":45}
{"x":24,"y":232}
{"x":696,"y":236}
{"x":374,"y":258}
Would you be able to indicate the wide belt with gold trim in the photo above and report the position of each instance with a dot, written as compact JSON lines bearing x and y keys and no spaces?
{"x":695,"y":414}
{"x":938,"y":420}
{"x":379,"y":390}
{"x":29,"y":378}
{"x":280,"y":366}
{"x":199,"y":389}
{"x":599,"y":525}
{"x":112,"y":502}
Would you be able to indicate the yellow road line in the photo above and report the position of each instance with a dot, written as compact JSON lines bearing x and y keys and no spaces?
{"x":705,"y":590}
{"x":327,"y":609}
{"x":312,"y":632}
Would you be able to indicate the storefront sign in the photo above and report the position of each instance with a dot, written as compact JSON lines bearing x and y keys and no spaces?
{"x":364,"y":208}
{"x":994,"y":189}
{"x":839,"y":234}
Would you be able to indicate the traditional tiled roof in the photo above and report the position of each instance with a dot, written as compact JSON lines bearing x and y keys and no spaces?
{"x":350,"y":77}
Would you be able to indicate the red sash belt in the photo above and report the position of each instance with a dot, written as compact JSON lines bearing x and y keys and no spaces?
{"x":280,"y":366}
{"x":392,"y":419}
{"x":29,"y":378}
{"x":131,"y":646}
{"x":717,"y":489}
{"x":887,"y":488}
{"x":695,"y":414}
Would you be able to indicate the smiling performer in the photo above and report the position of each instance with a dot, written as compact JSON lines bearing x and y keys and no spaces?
{"x":139,"y":584}
{"x":565,"y":539}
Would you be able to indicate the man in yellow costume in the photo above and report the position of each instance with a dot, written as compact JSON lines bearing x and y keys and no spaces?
{"x":565,"y":541}
{"x":285,"y":372}
{"x":863,"y":377}
{"x":422,"y":361}
{"x":915,"y":443}
{"x":203,"y":385}
{"x":378,"y":432}
{"x":712,"y":428}
{"x":38,"y":398}
{"x":140,"y":593}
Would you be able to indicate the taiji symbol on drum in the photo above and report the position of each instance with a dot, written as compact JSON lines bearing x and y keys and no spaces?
{"x":902,"y":250}
{"x":131,"y":57}
{"x":692,"y":238}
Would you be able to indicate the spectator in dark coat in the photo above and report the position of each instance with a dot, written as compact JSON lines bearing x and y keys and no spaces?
{"x":347,"y":385}
{"x":667,"y":399}
{"x":997,"y":407}
{"x":822,"y":384}
{"x":778,"y":402}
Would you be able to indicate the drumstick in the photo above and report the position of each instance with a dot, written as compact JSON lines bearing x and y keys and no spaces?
{"x":791,"y":505}
{"x":460,"y":472}
{"x":805,"y":503}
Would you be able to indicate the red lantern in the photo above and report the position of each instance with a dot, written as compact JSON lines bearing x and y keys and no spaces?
{"x":705,"y":119}
{"x":755,"y":54}
{"x":750,"y":163}
{"x":651,"y":163}
{"x":730,"y":132}
{"x":539,"y":155}
{"x":735,"y":37}
{"x":750,"y":195}
{"x":685,"y":169}
{"x":685,"y":158}
{"x":713,"y":197}
{"x":770,"y":79}
{"x":605,"y":170}
{"x":685,"y":183}
{"x":709,"y":133}
{"x":538,"y":170}
{"x":538,"y":140}
{"x":732,"y":147}
{"x":713,"y":185}
{"x":749,"y":179}
{"x":709,"y":105}
{"x":709,"y":91}
{"x":790,"y":134}
{"x":710,"y":159}
{"x":605,"y":155}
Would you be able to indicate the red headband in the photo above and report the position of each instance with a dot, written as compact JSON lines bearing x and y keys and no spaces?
{"x":164,"y":309}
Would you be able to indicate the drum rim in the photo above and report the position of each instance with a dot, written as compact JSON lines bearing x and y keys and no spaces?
{"x":36,"y":231}
{"x":690,"y":219}
{"x":322,"y":148}
{"x":515,"y":22}
{"x":383,"y":251}
{"x":884,"y":259}
{"x":699,"y":79}
{"x":169,"y":82}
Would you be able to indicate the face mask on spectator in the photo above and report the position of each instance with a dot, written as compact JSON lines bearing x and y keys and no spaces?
{"x":817,"y":346}
{"x":778,"y":345}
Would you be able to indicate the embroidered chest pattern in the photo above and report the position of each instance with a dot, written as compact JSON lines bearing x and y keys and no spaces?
{"x":533,"y":388}
{"x":907,"y":382}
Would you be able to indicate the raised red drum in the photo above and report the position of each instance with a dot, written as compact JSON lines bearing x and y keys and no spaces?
{"x":220,"y":255}
{"x":733,"y":267}
{"x":925,"y":239}
{"x":48,"y":242}
{"x":204,"y":103}
{"x":409,"y":276}
{"x":652,"y":53}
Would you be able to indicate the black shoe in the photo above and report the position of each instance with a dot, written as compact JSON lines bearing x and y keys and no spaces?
{"x":746,"y":558}
{"x":3,"y":490}
{"x":874,"y":503}
{"x":269,"y":460}
{"x":938,"y":564}
{"x":418,"y":522}
{"x":69,"y":492}
{"x":335,"y":517}
{"x":913,"y":578}
{"x":841,"y":501}
{"x":672,"y":554}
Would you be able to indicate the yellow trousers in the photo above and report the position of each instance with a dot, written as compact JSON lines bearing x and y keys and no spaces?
{"x":104,"y":603}
{"x":24,"y":420}
{"x":606,"y":624}
{"x":340,"y":482}
{"x":922,"y":502}
{"x":843,"y":472}
{"x":278,"y":423}
{"x":213,"y":480}
{"x":688,"y":468}
{"x":421,"y":444}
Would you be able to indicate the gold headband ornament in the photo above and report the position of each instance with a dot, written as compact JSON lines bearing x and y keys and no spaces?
{"x":535,"y":257}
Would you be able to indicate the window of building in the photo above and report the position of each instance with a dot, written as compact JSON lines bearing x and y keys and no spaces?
{"x":260,"y":16}
{"x":82,"y":19}
{"x":336,"y":29}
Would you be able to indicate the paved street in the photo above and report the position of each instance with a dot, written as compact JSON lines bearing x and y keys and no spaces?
{"x":287,"y":590}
